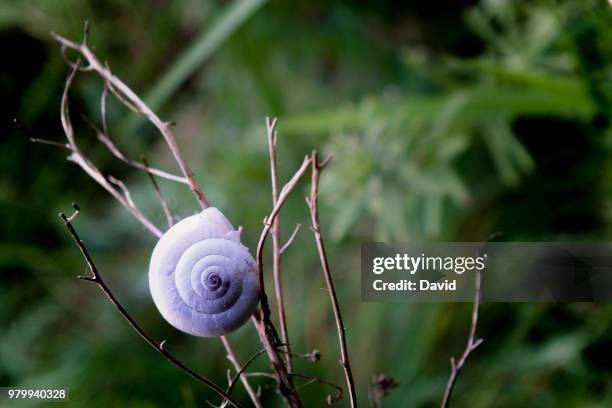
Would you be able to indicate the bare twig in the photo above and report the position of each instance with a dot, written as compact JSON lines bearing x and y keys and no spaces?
{"x":314,"y":356}
{"x":77,"y":157}
{"x":159,"y":347}
{"x":316,"y":229}
{"x":261,"y":319}
{"x":282,"y":197}
{"x":242,"y":369}
{"x":112,"y":147}
{"x":133,"y":102}
{"x":276,"y":245}
{"x":231,"y":356}
{"x":261,"y":374}
{"x":103,"y":115}
{"x":472,"y":343}
{"x":291,"y":238}
{"x":160,"y":196}
{"x":123,"y":188}
{"x":35,"y":139}
{"x":331,"y":399}
{"x":116,"y":86}
{"x":103,"y":135}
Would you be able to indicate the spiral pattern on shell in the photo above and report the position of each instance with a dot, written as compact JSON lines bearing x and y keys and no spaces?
{"x":202,"y":279}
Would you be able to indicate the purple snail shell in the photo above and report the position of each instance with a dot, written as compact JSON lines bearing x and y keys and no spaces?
{"x":202,"y":279}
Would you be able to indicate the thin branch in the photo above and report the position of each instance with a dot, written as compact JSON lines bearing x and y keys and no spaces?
{"x":472,"y":343}
{"x":314,"y":356}
{"x":276,"y":245}
{"x":160,"y":196}
{"x":331,"y":399}
{"x":261,"y":374}
{"x":131,"y":101}
{"x":104,"y":137}
{"x":239,"y":373}
{"x":316,"y":229}
{"x":159,"y":347}
{"x":35,"y":139}
{"x":261,"y":318}
{"x":231,"y":356}
{"x":103,"y":106}
{"x":291,"y":238}
{"x":116,"y":86}
{"x":282,"y":197}
{"x":123,"y":188}
{"x":77,"y":157}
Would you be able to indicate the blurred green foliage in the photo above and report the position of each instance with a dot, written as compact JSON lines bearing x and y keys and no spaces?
{"x":447,"y":121}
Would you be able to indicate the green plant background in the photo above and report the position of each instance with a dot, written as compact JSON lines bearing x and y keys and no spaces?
{"x":448,"y":120}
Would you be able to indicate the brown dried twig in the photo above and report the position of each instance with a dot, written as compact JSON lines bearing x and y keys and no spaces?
{"x":130,"y":99}
{"x":160,"y":196}
{"x":87,"y":165}
{"x":316,"y":229}
{"x":239,"y":372}
{"x":231,"y":356}
{"x":276,"y":245}
{"x":159,"y":347}
{"x":261,"y":319}
{"x":472,"y":343}
{"x":291,"y":238}
{"x":331,"y":399}
{"x":121,"y":193}
{"x":103,"y":135}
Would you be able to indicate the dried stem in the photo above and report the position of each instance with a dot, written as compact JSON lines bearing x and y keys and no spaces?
{"x":316,"y":229}
{"x":130,"y":98}
{"x":77,"y":157}
{"x":159,"y":347}
{"x":331,"y":399}
{"x":291,"y":238}
{"x":231,"y":356}
{"x":261,"y":319}
{"x":133,"y":102}
{"x":276,"y":245}
{"x":240,"y":372}
{"x":472,"y":343}
{"x":103,"y":135}
{"x":160,"y":196}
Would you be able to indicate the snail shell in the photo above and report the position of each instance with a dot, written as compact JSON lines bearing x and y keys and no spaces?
{"x":202,"y":279}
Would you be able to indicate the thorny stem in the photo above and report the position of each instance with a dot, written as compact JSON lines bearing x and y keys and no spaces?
{"x":121,"y":90}
{"x":316,"y":229}
{"x":472,"y":343}
{"x":159,"y":347}
{"x":276,"y":245}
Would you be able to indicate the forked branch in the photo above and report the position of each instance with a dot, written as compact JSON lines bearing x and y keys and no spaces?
{"x":116,"y":187}
{"x":132,"y":101}
{"x":96,"y":278}
{"x":263,"y":324}
{"x":472,"y":343}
